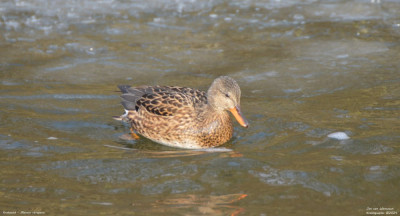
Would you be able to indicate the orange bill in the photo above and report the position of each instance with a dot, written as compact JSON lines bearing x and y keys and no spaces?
{"x":239,"y":116}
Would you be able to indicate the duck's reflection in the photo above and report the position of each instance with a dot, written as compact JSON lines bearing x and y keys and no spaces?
{"x":209,"y":205}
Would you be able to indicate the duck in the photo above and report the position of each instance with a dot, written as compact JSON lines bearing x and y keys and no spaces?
{"x":183,"y":117}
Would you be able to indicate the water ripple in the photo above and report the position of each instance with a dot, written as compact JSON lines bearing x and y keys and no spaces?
{"x":274,"y":176}
{"x":58,"y":96}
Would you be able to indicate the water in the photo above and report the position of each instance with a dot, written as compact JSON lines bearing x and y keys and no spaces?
{"x":320,"y":87}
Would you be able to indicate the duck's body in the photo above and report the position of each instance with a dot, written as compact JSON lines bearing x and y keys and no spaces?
{"x":184,"y":117}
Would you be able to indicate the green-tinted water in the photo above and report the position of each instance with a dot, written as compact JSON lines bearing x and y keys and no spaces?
{"x":306,"y":69}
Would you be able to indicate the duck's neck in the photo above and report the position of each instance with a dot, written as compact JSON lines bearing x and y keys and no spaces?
{"x":213,"y":109}
{"x":211,"y":100}
{"x":218,"y":121}
{"x":211,"y":114}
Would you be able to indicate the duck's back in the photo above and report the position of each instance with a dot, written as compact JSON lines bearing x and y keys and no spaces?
{"x":147,"y":97}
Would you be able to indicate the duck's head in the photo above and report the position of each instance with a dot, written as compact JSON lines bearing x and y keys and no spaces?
{"x":224,"y":94}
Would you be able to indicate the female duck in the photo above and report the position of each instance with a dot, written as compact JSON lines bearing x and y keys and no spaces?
{"x":184,"y":117}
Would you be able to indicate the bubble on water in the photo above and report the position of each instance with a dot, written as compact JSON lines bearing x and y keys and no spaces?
{"x":213,"y":16}
{"x":228,"y":19}
{"x":339,"y":136}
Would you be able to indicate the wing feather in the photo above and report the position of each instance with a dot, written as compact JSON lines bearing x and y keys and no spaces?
{"x":162,"y":100}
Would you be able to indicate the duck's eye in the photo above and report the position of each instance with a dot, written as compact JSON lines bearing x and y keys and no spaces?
{"x":226,"y":95}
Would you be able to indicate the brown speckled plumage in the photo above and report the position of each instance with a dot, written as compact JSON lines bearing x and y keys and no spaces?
{"x":184,"y":117}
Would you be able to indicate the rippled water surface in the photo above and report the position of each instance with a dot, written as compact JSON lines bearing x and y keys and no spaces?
{"x":307,"y":69}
